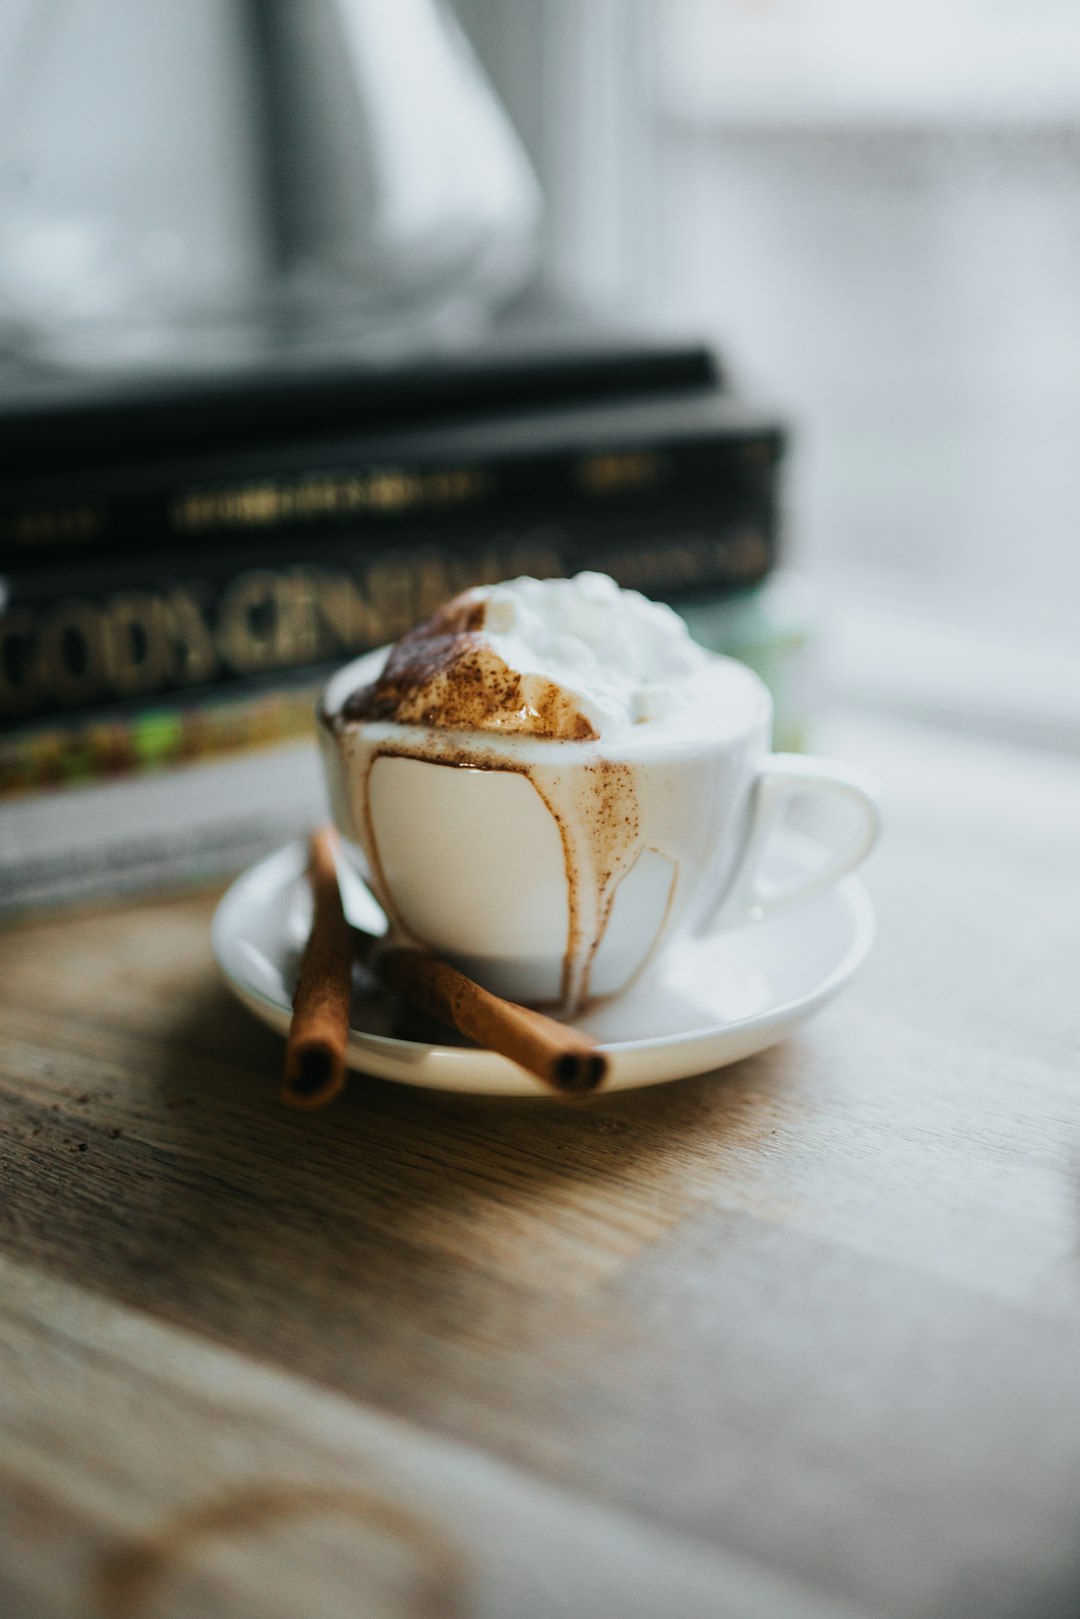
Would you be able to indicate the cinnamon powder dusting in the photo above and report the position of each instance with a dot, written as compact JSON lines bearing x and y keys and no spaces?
{"x":445,"y":674}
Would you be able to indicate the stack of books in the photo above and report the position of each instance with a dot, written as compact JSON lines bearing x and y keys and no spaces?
{"x":180,"y":567}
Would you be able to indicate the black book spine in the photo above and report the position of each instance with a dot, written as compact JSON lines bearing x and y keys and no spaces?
{"x":279,"y":406}
{"x":306,"y":492}
{"x":137,"y":629}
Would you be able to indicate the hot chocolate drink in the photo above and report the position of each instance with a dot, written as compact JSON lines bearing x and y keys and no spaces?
{"x":573,"y":684}
{"x":545,"y":780}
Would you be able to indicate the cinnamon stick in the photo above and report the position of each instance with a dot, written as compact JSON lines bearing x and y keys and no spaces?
{"x":314,"y":1070}
{"x":562,"y":1058}
{"x":314,"y":1073}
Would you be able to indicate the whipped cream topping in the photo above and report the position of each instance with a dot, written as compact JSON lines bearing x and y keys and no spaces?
{"x":577,"y":659}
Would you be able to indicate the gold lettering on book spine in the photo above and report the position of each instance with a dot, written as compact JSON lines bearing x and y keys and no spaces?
{"x":739,"y":557}
{"x":138,"y":649}
{"x":143,"y":642}
{"x":191,"y":636}
{"x":344,"y":616}
{"x":72,"y":657}
{"x":614,"y":473}
{"x":320,"y":497}
{"x":760,"y":452}
{"x":255,"y":632}
{"x":20,"y":687}
{"x":56,"y":525}
{"x":390,"y":589}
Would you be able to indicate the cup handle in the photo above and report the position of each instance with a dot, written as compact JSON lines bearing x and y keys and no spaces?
{"x":779,"y":778}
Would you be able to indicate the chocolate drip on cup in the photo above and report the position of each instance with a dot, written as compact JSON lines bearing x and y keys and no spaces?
{"x":461,"y":689}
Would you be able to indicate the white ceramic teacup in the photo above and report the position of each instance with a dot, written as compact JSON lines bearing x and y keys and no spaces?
{"x":518,"y":859}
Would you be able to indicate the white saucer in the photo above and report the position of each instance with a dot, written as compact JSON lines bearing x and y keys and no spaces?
{"x":710,"y":1001}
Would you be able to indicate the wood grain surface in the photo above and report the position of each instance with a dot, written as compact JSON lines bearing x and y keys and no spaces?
{"x":798,"y":1339}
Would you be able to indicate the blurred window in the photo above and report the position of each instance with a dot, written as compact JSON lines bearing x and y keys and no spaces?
{"x":876,"y":210}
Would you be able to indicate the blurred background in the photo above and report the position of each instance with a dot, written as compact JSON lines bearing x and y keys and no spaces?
{"x":874,"y":212}
{"x":789,"y":288}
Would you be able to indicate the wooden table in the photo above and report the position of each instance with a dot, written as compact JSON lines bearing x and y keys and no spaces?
{"x":802,"y":1338}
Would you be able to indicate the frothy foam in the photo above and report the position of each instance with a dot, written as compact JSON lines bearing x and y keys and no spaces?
{"x":568,"y":659}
